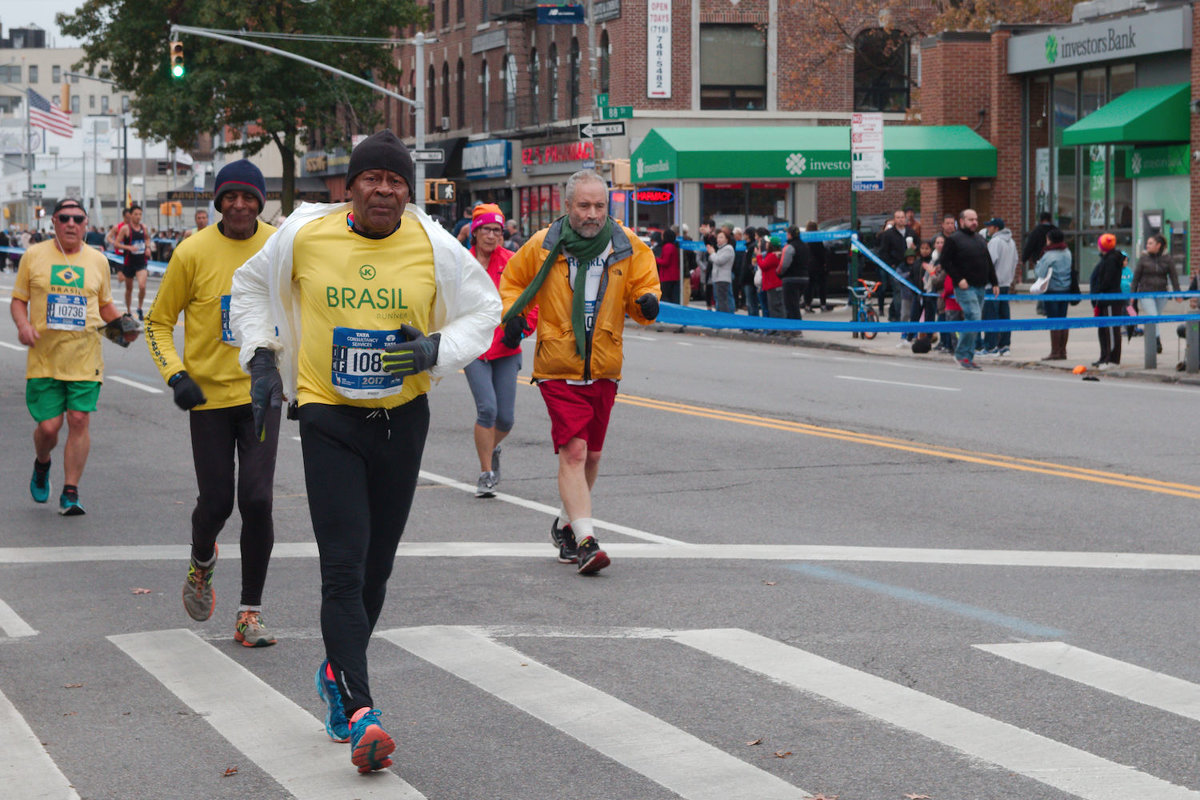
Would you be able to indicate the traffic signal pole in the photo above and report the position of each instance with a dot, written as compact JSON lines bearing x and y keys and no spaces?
{"x":419,"y":41}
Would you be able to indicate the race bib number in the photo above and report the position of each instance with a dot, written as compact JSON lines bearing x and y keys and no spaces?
{"x":226,"y":332}
{"x":357,"y":368}
{"x":139,"y":247}
{"x":66,"y":304}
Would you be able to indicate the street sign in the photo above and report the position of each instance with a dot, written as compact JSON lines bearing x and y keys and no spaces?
{"x":32,"y":195}
{"x":866,"y":152}
{"x":602,"y":99}
{"x":594,"y":130}
{"x":429,"y":156}
{"x":561,"y":15}
{"x":616,"y":112}
{"x":39,"y":186}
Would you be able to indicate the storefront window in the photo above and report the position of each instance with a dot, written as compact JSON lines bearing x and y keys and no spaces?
{"x":744,"y":204}
{"x":1066,"y":203}
{"x":654,"y":215}
{"x":767,"y":204}
{"x":1039,"y":149}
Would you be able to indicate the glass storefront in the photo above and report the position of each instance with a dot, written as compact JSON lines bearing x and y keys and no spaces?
{"x":540,"y":205}
{"x":1084,"y":188}
{"x":744,"y":204}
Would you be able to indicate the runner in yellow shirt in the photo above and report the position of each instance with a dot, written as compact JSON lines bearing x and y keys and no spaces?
{"x":61,"y":298}
{"x":372,"y":299}
{"x":209,"y":384}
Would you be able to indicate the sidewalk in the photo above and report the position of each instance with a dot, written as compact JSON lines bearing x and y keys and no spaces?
{"x":1026,"y":350}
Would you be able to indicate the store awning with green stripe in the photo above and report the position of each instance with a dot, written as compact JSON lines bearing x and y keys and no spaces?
{"x":807,"y":152}
{"x":1149,"y":114}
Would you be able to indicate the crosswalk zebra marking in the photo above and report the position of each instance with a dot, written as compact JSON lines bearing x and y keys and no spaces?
{"x":684,"y":764}
{"x":26,"y":769}
{"x":11,"y":623}
{"x":1023,"y":752}
{"x":1141,"y":685}
{"x":282,"y":738}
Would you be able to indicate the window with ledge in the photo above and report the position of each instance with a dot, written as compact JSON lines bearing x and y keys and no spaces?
{"x":74,"y":104}
{"x":535,"y":87}
{"x":733,"y":67}
{"x":33,"y":73}
{"x":56,"y":74}
{"x":487,"y":87}
{"x":460,"y":87}
{"x":573,"y":78}
{"x":605,"y":62}
{"x":431,"y":101}
{"x":510,"y":91}
{"x":552,"y":80}
{"x":881,"y":70}
{"x":445,"y":94}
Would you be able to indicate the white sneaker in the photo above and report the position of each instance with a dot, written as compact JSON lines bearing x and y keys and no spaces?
{"x":486,"y":485}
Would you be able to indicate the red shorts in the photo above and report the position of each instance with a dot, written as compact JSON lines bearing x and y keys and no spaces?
{"x":579,"y":412}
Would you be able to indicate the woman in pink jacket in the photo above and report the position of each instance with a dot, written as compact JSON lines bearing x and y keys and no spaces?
{"x":493,"y":376}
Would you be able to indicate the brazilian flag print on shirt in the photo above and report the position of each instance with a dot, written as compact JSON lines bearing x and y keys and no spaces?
{"x":355,"y":293}
{"x":66,"y":301}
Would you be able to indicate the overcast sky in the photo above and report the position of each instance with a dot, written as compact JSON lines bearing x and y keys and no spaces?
{"x":20,"y":13}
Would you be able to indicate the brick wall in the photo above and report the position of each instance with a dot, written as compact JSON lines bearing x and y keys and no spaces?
{"x":1194,"y":237}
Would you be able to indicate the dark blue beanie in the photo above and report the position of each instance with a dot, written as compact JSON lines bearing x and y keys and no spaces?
{"x":240,"y":176}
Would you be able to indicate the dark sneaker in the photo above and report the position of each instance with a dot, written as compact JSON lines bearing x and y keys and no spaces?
{"x":336,"y":724}
{"x":140,"y":317}
{"x":486,"y":485}
{"x":564,"y":540}
{"x":967,"y":363}
{"x":198,"y":595}
{"x":250,"y":630}
{"x":496,"y":463}
{"x":370,"y":744}
{"x":68,"y":505}
{"x":591,"y":557}
{"x":39,"y":486}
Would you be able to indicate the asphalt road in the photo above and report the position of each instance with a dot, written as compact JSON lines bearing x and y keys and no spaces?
{"x":832,"y":575}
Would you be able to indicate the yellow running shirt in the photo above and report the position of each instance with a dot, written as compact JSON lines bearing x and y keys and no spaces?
{"x":354,"y":294}
{"x":197,"y":284}
{"x":65,"y":294}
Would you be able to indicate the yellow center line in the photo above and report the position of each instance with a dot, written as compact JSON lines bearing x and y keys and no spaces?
{"x":954,"y":454}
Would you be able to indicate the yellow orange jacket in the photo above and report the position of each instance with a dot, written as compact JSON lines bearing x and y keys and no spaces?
{"x":629,"y":273}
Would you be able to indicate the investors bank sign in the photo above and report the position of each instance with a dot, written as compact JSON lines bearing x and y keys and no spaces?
{"x":1110,"y":40}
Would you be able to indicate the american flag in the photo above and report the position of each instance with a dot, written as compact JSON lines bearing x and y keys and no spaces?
{"x":52,"y":118}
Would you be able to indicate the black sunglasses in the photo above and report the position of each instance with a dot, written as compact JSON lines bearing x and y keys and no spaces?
{"x":76,"y":218}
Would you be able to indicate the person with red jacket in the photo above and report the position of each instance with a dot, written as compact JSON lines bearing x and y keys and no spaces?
{"x":493,"y":376}
{"x":668,"y":267}
{"x":772,"y":284}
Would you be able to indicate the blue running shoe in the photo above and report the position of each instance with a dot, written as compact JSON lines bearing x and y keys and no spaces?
{"x":68,"y":505}
{"x":335,"y":716}
{"x":39,"y":486}
{"x":370,"y":744}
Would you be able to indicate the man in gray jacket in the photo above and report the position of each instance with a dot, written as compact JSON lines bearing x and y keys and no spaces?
{"x":1004,"y":256}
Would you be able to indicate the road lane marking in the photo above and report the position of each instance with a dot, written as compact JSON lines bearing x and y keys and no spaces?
{"x":18,"y":347}
{"x":134,"y":384}
{"x":899,"y":383}
{"x":1129,"y":681}
{"x":11,"y":623}
{"x":287,"y":742}
{"x":545,"y":509}
{"x":682,"y":763}
{"x":953,"y":454}
{"x":1021,"y":626}
{"x":1026,"y":753}
{"x":26,"y":769}
{"x":1050,"y":559}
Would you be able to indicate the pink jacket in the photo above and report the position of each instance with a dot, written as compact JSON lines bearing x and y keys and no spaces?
{"x":495,"y":267}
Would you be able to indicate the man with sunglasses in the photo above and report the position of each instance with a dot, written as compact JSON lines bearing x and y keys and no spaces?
{"x":61,"y":298}
{"x":210,"y":385}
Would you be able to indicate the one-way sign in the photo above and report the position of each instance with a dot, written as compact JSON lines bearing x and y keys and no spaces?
{"x":592,"y":130}
{"x":429,"y":156}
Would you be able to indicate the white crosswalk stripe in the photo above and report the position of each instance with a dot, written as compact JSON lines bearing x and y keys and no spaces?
{"x":283,"y":739}
{"x":1132,"y":682}
{"x":1045,"y":760}
{"x":677,"y":760}
{"x":26,"y":769}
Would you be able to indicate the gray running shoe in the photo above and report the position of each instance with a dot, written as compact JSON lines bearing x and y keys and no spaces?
{"x":486,"y":485}
{"x":250,"y":630}
{"x":198,"y":595}
{"x":496,"y":463}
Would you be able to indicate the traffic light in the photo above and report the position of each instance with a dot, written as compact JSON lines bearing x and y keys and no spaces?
{"x":177,"y":66}
{"x":439,"y":192}
{"x":65,"y":102}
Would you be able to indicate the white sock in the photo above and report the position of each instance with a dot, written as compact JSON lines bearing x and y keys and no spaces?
{"x":563,"y":519}
{"x":245,"y":607}
{"x":582,"y":528}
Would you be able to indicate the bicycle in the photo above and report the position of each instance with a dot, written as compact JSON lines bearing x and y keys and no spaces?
{"x":862,"y":305}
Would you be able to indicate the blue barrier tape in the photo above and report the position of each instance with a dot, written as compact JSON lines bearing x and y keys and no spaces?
{"x":672,"y":314}
{"x":858,"y":248}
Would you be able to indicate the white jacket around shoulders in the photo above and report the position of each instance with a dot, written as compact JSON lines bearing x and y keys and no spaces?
{"x":264,"y":310}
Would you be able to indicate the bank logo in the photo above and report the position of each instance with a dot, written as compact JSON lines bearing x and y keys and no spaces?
{"x":797,"y":163}
{"x":1051,"y":49}
{"x":1137,"y":163}
{"x":366,"y":272}
{"x":641,"y":167}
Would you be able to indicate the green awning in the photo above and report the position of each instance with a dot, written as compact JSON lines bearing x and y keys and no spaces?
{"x":1150,"y":114}
{"x":807,"y":152}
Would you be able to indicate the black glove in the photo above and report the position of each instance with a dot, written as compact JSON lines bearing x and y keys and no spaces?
{"x":514,"y":329}
{"x":266,"y":389}
{"x":649,"y":305}
{"x":188,"y":394}
{"x":122,"y":330}
{"x":416,"y":353}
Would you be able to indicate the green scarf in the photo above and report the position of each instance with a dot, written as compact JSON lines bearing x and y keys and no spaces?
{"x":580,"y":248}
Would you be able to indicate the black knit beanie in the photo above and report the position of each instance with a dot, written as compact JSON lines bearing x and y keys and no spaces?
{"x":240,"y":176}
{"x":382,"y":150}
